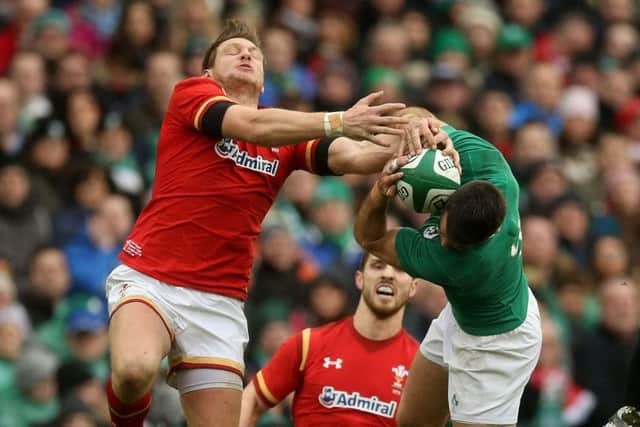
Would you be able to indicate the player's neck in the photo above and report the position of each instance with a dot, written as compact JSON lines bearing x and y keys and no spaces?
{"x":374,"y":328}
{"x":242,"y":94}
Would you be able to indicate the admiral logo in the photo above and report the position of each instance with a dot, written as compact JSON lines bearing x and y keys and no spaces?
{"x":226,"y":148}
{"x":332,"y":398}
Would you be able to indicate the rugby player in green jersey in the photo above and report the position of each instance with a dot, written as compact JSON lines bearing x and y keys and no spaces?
{"x":479,"y":353}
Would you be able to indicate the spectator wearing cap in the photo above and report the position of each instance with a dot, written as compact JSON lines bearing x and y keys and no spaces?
{"x":579,"y":110}
{"x":50,"y":36}
{"x":513,"y":58}
{"x":36,"y":400}
{"x":330,"y":243}
{"x":448,"y":92}
{"x":450,"y":46}
{"x":86,"y":336}
{"x":481,"y":25}
{"x":24,"y":224}
{"x":385,"y":79}
{"x":541,"y":90}
{"x":47,"y":154}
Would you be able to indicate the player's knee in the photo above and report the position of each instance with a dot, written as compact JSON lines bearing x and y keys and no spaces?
{"x":134,"y":375}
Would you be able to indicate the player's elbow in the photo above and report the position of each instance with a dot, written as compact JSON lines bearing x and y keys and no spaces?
{"x":363,"y":240}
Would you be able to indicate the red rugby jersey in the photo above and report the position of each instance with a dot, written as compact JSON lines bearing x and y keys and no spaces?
{"x":338,"y":376}
{"x":209,"y":198}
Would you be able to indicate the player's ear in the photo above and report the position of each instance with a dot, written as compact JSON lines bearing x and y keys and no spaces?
{"x":413,"y":288}
{"x":359,"y":279}
{"x":262,"y":90}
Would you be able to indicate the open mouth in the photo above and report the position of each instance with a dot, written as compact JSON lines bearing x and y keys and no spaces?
{"x":246,"y":67}
{"x":385,"y":290}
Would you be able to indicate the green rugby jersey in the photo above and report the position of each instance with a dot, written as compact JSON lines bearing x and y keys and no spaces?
{"x":486,"y":284}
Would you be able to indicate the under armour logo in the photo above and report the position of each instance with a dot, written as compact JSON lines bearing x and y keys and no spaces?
{"x":335,"y":363}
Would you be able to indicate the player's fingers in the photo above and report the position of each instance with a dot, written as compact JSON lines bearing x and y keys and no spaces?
{"x":433,"y":125}
{"x":389,"y":107}
{"x":390,"y":121}
{"x":385,"y":130}
{"x":375,"y":140}
{"x":369,"y":99}
{"x":416,"y":143}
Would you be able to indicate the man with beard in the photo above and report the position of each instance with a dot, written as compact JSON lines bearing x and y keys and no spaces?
{"x":326,"y":367}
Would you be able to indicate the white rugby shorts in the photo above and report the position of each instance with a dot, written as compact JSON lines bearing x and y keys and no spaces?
{"x":208,"y":331}
{"x":487,"y":374}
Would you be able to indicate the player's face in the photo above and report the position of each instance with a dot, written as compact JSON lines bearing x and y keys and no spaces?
{"x":385,"y":289}
{"x":239,"y":61}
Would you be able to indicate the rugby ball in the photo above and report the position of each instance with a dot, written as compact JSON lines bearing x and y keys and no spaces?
{"x":427,"y":182}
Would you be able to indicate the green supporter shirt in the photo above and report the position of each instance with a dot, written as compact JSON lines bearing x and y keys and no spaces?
{"x":486,"y":285}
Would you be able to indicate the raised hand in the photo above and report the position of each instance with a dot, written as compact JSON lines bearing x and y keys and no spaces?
{"x":366,"y":121}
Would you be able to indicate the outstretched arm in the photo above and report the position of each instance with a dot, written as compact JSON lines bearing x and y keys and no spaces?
{"x":252,"y":407}
{"x":371,"y":222}
{"x":361,"y":157}
{"x":274,"y":127}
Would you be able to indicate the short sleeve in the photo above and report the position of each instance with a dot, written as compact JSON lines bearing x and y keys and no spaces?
{"x":193,"y":97}
{"x":304,"y":155}
{"x":281,"y":375}
{"x":417,"y":253}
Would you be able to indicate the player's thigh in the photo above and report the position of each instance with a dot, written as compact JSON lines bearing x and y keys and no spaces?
{"x":139,"y":332}
{"x":424,"y":399}
{"x":213,"y":407}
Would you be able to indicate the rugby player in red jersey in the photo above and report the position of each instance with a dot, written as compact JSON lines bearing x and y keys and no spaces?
{"x":185,"y":266}
{"x":349,"y":372}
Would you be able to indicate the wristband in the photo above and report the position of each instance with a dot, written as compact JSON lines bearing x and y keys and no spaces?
{"x":333,"y":125}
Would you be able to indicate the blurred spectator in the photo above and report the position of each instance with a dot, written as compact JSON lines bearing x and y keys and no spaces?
{"x":418,"y":28}
{"x":616,"y":90}
{"x":115,"y":152}
{"x":572,"y":34}
{"x":578,"y":108}
{"x":47,"y":153}
{"x":337,"y":86}
{"x":331,"y":244}
{"x":24,"y":225}
{"x":11,"y":139}
{"x":556,"y":400}
{"x":327,"y":300}
{"x":48,"y":281}
{"x":86,"y":337}
{"x":541,"y":90}
{"x":93,"y":23}
{"x":448,"y":93}
{"x":337,"y":37}
{"x":618,"y":10}
{"x":573,"y":222}
{"x":533,"y":143}
{"x":388,"y":45}
{"x":384,"y":79}
{"x":77,"y":383}
{"x":491,"y":114}
{"x":49,"y":36}
{"x":88,"y":186}
{"x":297,"y":17}
{"x":620,"y":41}
{"x":29,"y":74}
{"x":14,"y":332}
{"x":546,"y":186}
{"x":36,"y":398}
{"x":94,"y":253}
{"x":83,"y":117}
{"x":512,"y":60}
{"x":284,"y":76}
{"x":423,"y":307}
{"x":450,"y":46}
{"x":481,"y":25}
{"x":526,"y":13}
{"x":610,"y":258}
{"x":73,"y":73}
{"x":191,"y":20}
{"x":601,"y":357}
{"x":18,"y":16}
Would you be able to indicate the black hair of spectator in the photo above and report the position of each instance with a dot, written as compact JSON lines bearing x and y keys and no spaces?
{"x":233,"y":28}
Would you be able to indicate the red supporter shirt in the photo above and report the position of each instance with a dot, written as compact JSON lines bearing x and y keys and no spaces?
{"x":338,"y":376}
{"x":209,"y":198}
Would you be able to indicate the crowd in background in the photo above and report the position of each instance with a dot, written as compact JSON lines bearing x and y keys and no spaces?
{"x":84,"y":84}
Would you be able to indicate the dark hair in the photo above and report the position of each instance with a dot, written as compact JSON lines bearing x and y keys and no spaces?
{"x":363,"y":260}
{"x":474,"y":213}
{"x":233,"y":28}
